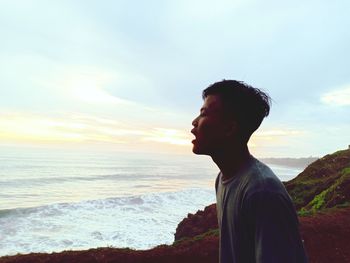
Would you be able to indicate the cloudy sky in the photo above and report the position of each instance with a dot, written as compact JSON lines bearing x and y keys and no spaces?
{"x":128,"y":75}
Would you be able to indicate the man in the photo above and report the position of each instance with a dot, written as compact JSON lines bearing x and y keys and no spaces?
{"x":257,"y":220}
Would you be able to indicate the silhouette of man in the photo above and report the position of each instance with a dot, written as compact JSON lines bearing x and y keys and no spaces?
{"x":256,"y":217}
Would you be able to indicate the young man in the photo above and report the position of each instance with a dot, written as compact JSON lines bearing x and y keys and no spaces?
{"x":257,"y":220}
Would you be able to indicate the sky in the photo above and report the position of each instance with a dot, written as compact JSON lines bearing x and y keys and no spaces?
{"x":128,"y":75}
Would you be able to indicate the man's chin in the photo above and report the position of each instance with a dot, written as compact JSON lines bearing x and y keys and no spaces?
{"x":195,"y":150}
{"x":198,"y":151}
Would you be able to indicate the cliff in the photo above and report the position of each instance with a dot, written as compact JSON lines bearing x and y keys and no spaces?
{"x":323,"y":184}
{"x":199,"y":223}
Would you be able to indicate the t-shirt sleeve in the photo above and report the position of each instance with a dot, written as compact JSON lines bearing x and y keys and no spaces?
{"x":274,"y":226}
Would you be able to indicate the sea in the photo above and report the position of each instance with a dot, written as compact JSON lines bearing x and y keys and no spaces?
{"x":52,"y":201}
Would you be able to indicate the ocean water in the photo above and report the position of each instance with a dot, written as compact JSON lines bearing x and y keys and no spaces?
{"x":54,"y":201}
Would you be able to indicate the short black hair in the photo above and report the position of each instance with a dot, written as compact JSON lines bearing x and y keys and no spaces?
{"x":248,"y":105}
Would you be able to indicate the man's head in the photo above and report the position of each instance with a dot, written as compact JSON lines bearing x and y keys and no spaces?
{"x":231,"y":112}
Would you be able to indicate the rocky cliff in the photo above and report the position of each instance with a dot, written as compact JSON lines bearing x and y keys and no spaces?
{"x":323,"y":184}
{"x":196,"y":224}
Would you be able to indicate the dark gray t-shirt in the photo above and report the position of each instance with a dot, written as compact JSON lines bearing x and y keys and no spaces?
{"x":257,"y":219}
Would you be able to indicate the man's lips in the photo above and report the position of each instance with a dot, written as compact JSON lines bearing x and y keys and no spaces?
{"x":193,"y":132}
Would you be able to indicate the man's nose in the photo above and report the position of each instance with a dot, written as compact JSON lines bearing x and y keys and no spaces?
{"x":195,"y":122}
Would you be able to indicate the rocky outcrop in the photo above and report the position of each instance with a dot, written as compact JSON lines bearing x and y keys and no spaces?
{"x":196,"y":224}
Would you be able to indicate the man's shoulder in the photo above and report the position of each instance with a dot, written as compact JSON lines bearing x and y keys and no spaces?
{"x":255,"y":177}
{"x":265,"y":191}
{"x":260,"y":178}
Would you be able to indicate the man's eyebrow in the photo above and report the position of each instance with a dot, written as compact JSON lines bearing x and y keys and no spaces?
{"x":203,"y":109}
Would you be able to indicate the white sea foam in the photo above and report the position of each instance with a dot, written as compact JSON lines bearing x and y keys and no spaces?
{"x":139,"y":222}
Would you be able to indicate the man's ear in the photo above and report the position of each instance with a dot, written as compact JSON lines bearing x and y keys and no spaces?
{"x":231,"y":128}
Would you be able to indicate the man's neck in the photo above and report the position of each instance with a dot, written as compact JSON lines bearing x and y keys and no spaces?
{"x":232,"y":160}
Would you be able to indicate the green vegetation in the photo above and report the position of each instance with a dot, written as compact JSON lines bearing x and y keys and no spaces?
{"x":304,"y":212}
{"x":346,"y":204}
{"x":346,"y":171}
{"x":210,"y":232}
{"x":323,"y":184}
{"x":319,"y":200}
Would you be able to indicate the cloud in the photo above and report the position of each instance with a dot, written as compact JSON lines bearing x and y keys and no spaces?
{"x":337,"y":97}
{"x":80,"y":128}
{"x":89,"y":88}
{"x":171,"y":136}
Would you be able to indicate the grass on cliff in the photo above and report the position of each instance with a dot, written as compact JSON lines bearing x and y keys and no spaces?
{"x":323,"y":184}
{"x":209,"y":233}
{"x":330,"y":193}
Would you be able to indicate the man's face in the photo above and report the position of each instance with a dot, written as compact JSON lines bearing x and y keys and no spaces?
{"x":210,"y":127}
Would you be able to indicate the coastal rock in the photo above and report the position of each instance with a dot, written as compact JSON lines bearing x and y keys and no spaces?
{"x":198,"y":223}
